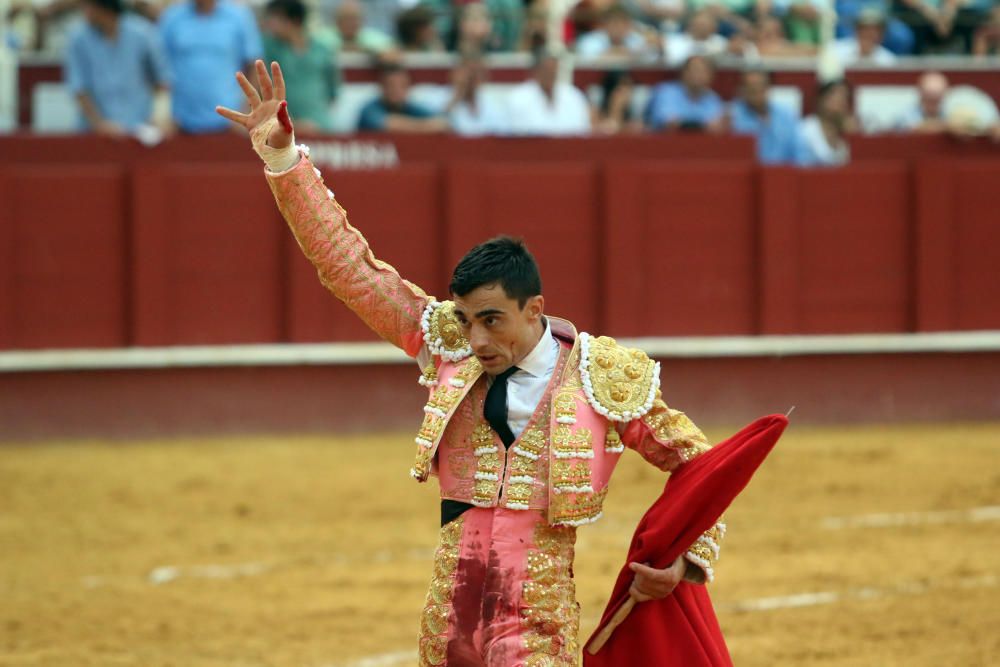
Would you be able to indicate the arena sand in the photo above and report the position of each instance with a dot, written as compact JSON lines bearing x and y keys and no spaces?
{"x":315,"y":551}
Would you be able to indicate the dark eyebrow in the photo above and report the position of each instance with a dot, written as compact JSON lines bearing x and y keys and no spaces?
{"x":488,"y":312}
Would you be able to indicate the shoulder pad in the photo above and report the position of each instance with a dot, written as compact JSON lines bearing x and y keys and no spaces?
{"x":443,"y":332}
{"x":620,"y":382}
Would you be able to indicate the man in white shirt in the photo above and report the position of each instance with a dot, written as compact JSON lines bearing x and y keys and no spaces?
{"x":865,"y":47}
{"x":544,"y":106}
{"x":472,"y":111}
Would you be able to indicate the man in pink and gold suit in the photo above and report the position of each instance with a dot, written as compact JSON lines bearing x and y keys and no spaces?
{"x":523,"y":426}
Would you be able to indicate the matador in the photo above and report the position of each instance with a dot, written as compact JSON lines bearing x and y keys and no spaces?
{"x":525,"y":420}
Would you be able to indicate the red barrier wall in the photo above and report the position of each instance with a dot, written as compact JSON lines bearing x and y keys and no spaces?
{"x":182,"y":245}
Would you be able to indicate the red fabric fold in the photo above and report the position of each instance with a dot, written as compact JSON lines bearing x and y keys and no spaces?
{"x":681,"y":630}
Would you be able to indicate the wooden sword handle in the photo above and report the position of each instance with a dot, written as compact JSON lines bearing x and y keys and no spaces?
{"x":605,"y":634}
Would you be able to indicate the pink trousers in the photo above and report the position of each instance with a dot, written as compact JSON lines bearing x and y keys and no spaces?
{"x":502,"y":594}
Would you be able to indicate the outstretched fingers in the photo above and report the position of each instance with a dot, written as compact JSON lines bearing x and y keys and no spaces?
{"x":266,"y":91}
{"x":251,"y":93}
{"x":234,"y":116}
{"x":279,"y":81}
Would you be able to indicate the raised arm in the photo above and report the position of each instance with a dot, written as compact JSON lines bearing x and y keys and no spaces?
{"x":391,"y":306}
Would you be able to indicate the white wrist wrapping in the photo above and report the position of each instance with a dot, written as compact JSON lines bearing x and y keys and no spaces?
{"x":276,"y":159}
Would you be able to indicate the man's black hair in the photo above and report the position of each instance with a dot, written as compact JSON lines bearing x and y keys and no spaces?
{"x":293,"y":10}
{"x":502,"y":260}
{"x":113,"y":6}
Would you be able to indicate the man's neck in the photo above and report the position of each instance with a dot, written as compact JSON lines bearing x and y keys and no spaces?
{"x":108,"y":27}
{"x":536,"y":336}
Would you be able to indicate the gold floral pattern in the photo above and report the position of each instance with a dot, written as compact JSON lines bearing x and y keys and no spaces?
{"x":576,"y":509}
{"x":567,"y":443}
{"x":569,"y":476}
{"x":620,"y":382}
{"x":675,"y":438}
{"x":550,"y":615}
{"x":442,"y":331}
{"x":437,"y":609}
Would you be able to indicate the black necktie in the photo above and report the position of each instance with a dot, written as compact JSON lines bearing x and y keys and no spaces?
{"x":495,"y":407}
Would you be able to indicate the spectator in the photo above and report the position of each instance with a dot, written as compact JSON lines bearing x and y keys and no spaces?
{"x":507,"y":17}
{"x":475,"y":30}
{"x":962,"y":111}
{"x":940,"y":26}
{"x":535,"y":31}
{"x":206,"y":41}
{"x":865,"y":47}
{"x":821,"y":138}
{"x":393,"y":112}
{"x":770,"y":40}
{"x":54,"y":21}
{"x":542,"y":105}
{"x":309,"y":65}
{"x":700,"y":38}
{"x":802,"y":18}
{"x":472,"y":112}
{"x":617,"y":38}
{"x":733,"y":15}
{"x":986,"y":41}
{"x":351,"y":35}
{"x":689,"y":104}
{"x":614,"y":114}
{"x":772,"y":124}
{"x":928,"y":115}
{"x":898,"y":36}
{"x":416,"y":31}
{"x":114,"y":66}
{"x":664,"y":14}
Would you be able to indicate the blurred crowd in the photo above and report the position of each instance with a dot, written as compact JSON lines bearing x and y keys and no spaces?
{"x":148,"y":69}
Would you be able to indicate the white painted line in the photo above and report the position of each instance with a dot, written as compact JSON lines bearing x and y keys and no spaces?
{"x":867,"y":593}
{"x":973,"y":515}
{"x":333,"y":354}
{"x":168,"y":573}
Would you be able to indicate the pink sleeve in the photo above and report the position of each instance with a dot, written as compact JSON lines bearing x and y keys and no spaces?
{"x":391,"y":306}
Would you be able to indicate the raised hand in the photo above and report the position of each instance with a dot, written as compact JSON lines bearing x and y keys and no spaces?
{"x":264,"y":107}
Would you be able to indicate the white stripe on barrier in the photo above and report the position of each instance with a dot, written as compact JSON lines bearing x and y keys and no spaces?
{"x":333,"y":354}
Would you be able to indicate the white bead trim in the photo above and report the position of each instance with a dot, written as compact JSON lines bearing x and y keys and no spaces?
{"x":517,"y":506}
{"x":588,"y":387}
{"x":437,"y":412}
{"x":565,"y":488}
{"x":482,"y":503}
{"x":525,"y":453}
{"x":436,"y":345}
{"x":491,"y":476}
{"x":574,"y":455}
{"x":617,"y":449}
{"x":581,"y":522}
{"x":489,"y":449}
{"x":456,"y":382}
{"x":565,"y":420}
{"x":423,"y":442}
{"x":703,"y":564}
{"x":522,"y":479}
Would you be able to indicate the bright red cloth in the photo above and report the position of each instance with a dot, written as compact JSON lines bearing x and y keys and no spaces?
{"x":681,"y":630}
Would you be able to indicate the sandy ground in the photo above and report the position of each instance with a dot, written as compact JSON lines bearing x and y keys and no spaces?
{"x":315,"y":552}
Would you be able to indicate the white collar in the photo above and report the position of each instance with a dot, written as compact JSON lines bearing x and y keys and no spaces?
{"x":542,"y":359}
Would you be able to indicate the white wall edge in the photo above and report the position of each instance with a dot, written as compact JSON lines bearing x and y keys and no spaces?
{"x":353,"y":354}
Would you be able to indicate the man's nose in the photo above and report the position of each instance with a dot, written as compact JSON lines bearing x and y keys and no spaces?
{"x":478,"y":338}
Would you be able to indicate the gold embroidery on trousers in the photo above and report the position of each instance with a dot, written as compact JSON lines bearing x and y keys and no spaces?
{"x":434,"y":620}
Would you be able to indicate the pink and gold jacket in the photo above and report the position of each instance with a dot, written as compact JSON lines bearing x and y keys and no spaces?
{"x":602,"y":397}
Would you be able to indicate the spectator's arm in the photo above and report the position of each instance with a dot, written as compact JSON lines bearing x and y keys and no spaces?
{"x":395,"y":122}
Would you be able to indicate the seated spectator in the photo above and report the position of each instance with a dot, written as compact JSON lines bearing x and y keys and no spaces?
{"x":898,"y":36}
{"x":616,"y":38}
{"x":960,"y":111}
{"x":471,"y":112}
{"x":865,"y":47}
{"x":507,"y":17}
{"x":802,"y":18}
{"x":114,"y":65}
{"x":543,"y":105}
{"x":770,"y":40}
{"x":475,"y":30}
{"x":206,"y":41}
{"x":688,"y":104}
{"x":614,"y":113}
{"x":821,"y":139}
{"x":772,"y":124}
{"x":664,"y":14}
{"x":309,"y":65}
{"x":986,"y":41}
{"x":416,"y":30}
{"x":700,"y":38}
{"x":535,"y":31}
{"x":392,"y":111}
{"x":941,"y":26}
{"x":351,"y":35}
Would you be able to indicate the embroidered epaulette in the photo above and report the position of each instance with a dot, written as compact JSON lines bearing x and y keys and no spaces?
{"x":443,"y":332}
{"x":620,"y":382}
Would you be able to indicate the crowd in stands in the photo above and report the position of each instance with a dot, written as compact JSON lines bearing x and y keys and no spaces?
{"x":149,"y":69}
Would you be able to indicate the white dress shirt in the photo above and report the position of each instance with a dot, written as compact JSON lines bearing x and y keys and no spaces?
{"x":530,"y":112}
{"x":526,"y":387}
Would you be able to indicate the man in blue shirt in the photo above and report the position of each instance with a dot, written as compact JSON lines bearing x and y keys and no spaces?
{"x":114,"y":64}
{"x":772,"y":124}
{"x":393,"y":112}
{"x":689,"y":104}
{"x":206,"y":41}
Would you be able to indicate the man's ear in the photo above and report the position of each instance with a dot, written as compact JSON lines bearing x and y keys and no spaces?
{"x":534,"y":307}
